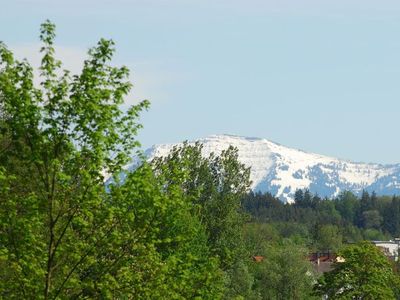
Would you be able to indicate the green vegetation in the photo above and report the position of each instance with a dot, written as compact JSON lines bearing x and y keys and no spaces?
{"x":180,"y":227}
{"x":365,"y":274}
{"x":327,"y":224}
{"x":171,"y":229}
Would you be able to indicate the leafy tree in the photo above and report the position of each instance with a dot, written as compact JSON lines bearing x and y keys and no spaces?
{"x":178,"y":262}
{"x":62,"y":233}
{"x":372,"y":219}
{"x":256,"y":235}
{"x":284,"y":272}
{"x":328,"y":238}
{"x":351,"y":234}
{"x":57,"y":226}
{"x":365,"y":274}
{"x":242,"y":282}
{"x":372,"y":234}
{"x":328,"y":213}
{"x":214,"y":185}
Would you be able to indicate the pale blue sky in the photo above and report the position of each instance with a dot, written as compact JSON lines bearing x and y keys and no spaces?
{"x":322,"y":76}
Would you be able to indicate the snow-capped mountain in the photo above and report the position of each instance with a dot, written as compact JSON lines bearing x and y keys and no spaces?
{"x":281,"y":170}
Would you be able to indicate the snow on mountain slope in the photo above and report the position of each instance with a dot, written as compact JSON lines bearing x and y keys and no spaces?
{"x":281,"y":170}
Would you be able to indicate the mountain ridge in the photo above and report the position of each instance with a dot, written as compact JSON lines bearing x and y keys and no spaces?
{"x":281,"y":170}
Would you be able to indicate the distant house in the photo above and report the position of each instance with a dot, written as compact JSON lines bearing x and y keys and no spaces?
{"x":323,"y":261}
{"x":257,"y":258}
{"x":389,"y":248}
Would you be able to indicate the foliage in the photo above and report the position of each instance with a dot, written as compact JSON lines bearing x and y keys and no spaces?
{"x":178,"y":263}
{"x":365,"y":274}
{"x":58,"y":231}
{"x":327,"y":223}
{"x":63,"y":234}
{"x":214,"y":185}
{"x":284,"y":273}
{"x":328,"y":237}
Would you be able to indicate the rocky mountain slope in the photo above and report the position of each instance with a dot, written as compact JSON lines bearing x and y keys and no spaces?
{"x":281,"y":170}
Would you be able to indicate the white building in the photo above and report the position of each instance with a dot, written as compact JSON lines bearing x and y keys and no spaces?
{"x":390,"y":248}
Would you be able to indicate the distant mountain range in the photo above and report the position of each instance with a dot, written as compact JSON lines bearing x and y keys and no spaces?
{"x":281,"y":170}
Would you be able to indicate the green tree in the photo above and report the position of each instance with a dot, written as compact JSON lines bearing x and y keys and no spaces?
{"x":351,"y":234}
{"x":215,"y":186}
{"x":365,"y":274}
{"x":328,"y":213}
{"x":257,"y":234}
{"x":62,"y":233}
{"x":284,"y":273}
{"x":178,"y":263}
{"x":372,"y":219}
{"x":372,"y":234}
{"x":391,"y":216}
{"x":328,"y":237}
{"x":347,"y":205}
{"x":56,"y":142}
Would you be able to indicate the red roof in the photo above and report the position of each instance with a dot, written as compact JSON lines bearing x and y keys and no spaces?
{"x":258,"y":258}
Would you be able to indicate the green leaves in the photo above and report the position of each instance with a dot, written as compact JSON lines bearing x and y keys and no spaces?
{"x":284,"y":273}
{"x":60,"y":233}
{"x":365,"y":274}
{"x":212,"y":187}
{"x":171,"y":230}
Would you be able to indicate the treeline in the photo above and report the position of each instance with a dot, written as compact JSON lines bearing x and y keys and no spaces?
{"x":327,"y":223}
{"x":285,"y":234}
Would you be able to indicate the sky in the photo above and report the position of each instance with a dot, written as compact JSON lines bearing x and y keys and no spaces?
{"x":321,"y":76}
